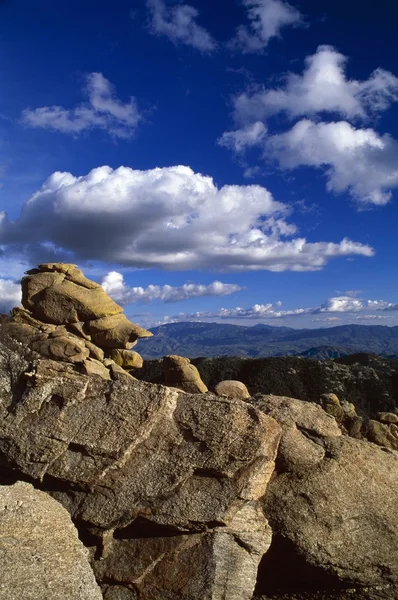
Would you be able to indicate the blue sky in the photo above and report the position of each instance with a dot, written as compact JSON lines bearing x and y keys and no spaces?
{"x":235,"y":164}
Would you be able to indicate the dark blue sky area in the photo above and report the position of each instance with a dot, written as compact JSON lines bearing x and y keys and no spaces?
{"x":185,"y":101}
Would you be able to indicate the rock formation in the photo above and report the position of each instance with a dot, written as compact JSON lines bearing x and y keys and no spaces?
{"x":331,"y":507}
{"x":179,"y":373}
{"x":232,"y":389}
{"x":166,"y":488}
{"x":178,"y":493}
{"x":67,"y":317}
{"x":41,"y":556}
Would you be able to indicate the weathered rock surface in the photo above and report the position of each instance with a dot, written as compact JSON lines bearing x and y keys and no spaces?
{"x":385,"y":592}
{"x":127,"y":359}
{"x":371,"y":387}
{"x":383,"y":434}
{"x":41,"y":556}
{"x":179,"y":373}
{"x":211,"y":565}
{"x":232,"y":389}
{"x":117,"y":455}
{"x":387,"y":417}
{"x":59,"y":293}
{"x":331,"y":506}
{"x":115,"y":331}
{"x":67,"y":317}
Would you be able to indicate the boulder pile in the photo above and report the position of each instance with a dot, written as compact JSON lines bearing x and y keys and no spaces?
{"x":177,"y":493}
{"x":67,"y":317}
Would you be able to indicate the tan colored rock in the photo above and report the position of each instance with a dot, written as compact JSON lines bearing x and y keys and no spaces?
{"x":41,"y":555}
{"x":179,"y":373}
{"x":115,"y":332}
{"x":91,"y":366}
{"x":232,"y":389}
{"x":330,"y":506}
{"x":71,"y":272}
{"x":58,"y":332}
{"x":193,"y":467}
{"x":120,"y":374}
{"x":303,"y":423}
{"x":386,"y":417}
{"x":349,"y":409}
{"x":60,"y":294}
{"x":95,"y":351}
{"x":21,"y":332}
{"x":354,"y":427}
{"x":331,"y":404}
{"x":381,"y":434}
{"x":33,"y":287}
{"x":65,"y":348}
{"x":22,"y":315}
{"x":330,"y":398}
{"x":126,"y":358}
{"x":78,"y":329}
{"x":207,"y":563}
{"x":337,"y":518}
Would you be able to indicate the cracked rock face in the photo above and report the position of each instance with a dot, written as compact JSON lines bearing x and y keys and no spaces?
{"x":41,"y":555}
{"x":118,"y":454}
{"x":331,"y":505}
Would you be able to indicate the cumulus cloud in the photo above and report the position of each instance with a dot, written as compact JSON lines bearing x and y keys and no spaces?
{"x":323,"y":87}
{"x":170,"y":218}
{"x":178,"y":23}
{"x":102,"y":110}
{"x":357,"y":160}
{"x":10,"y":295}
{"x":243,"y":138}
{"x":267,"y":18}
{"x":114,"y":285}
{"x":258,"y":312}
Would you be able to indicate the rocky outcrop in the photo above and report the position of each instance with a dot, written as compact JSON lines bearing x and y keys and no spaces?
{"x":70,"y":318}
{"x":59,"y":293}
{"x":157,"y":482}
{"x":331,"y":507}
{"x":383,"y":434}
{"x":41,"y":555}
{"x":232,"y":389}
{"x":179,"y":373}
{"x":178,"y":493}
{"x":372,"y":387}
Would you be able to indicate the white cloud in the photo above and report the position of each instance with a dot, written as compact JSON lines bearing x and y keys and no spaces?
{"x":267,"y":18}
{"x":114,"y":285}
{"x":103,"y":110}
{"x":178,"y":23}
{"x":258,"y":312}
{"x":169,"y":218}
{"x":246,"y":137}
{"x":357,"y":160}
{"x":322,"y":87}
{"x":341,"y":304}
{"x":373,"y":317}
{"x":10,"y":295}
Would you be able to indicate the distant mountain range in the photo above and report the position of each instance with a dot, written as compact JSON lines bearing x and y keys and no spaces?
{"x":217,"y":339}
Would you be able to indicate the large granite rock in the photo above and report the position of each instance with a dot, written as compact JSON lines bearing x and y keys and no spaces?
{"x":133,"y":461}
{"x":179,"y":373}
{"x":383,"y":434}
{"x":115,"y":331}
{"x":232,"y":389}
{"x":70,"y":318}
{"x":384,"y":592}
{"x":332,"y":506}
{"x":41,"y":556}
{"x":59,"y":293}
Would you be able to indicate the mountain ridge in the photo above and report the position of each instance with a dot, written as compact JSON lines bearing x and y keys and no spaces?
{"x":218,"y":339}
